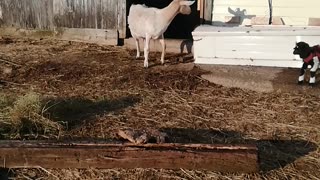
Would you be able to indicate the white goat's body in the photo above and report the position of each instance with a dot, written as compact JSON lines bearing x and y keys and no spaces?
{"x":150,"y":23}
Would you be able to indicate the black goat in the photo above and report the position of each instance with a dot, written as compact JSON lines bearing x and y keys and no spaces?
{"x":310,"y":56}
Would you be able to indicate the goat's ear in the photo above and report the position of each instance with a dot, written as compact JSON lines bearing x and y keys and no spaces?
{"x":186,"y":3}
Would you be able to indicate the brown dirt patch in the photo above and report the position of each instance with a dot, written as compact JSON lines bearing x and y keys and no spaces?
{"x":100,"y":89}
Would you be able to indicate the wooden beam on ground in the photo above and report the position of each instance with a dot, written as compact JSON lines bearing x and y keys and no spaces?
{"x":222,"y":158}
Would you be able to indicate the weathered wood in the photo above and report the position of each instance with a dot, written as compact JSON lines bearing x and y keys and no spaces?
{"x":314,"y":22}
{"x":208,"y":7}
{"x":223,"y":158}
{"x":53,"y":14}
{"x":99,"y":36}
{"x":96,"y":14}
{"x":36,"y":14}
{"x":122,"y":16}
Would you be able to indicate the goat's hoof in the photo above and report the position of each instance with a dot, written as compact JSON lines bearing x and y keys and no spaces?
{"x":311,"y":84}
{"x":300,"y":82}
{"x":145,"y":65}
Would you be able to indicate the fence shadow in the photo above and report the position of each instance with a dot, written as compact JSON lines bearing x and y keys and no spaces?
{"x":273,"y":154}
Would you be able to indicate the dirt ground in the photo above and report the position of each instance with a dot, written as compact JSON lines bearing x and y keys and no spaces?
{"x":260,"y":79}
{"x":99,"y":89}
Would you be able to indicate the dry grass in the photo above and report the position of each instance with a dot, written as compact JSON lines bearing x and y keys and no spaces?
{"x":24,"y":117}
{"x":100,"y":89}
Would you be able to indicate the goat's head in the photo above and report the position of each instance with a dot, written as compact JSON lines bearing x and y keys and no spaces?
{"x":185,"y":6}
{"x":302,"y":49}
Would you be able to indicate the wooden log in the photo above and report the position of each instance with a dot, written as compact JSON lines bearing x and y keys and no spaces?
{"x":222,"y":158}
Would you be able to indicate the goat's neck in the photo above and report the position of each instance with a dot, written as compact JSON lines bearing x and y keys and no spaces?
{"x":168,"y":13}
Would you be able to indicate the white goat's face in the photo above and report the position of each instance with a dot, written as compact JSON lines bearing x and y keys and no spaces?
{"x":185,"y":6}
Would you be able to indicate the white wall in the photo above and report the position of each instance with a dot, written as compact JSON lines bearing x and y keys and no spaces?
{"x":252,"y":8}
{"x":289,"y":12}
{"x":256,"y":46}
{"x":296,"y":12}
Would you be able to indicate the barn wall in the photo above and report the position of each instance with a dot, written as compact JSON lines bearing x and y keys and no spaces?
{"x":27,"y":14}
{"x":56,"y":14}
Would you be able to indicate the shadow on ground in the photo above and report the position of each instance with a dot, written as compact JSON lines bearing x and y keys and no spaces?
{"x":273,"y":154}
{"x":287,"y":80}
{"x":74,"y":112}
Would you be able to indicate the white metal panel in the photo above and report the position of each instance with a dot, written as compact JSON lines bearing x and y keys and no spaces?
{"x":262,"y":46}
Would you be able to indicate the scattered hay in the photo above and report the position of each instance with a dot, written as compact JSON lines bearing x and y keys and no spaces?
{"x":186,"y":107}
{"x":24,"y":116}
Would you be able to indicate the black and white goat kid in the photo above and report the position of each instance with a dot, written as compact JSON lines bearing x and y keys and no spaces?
{"x":310,"y":56}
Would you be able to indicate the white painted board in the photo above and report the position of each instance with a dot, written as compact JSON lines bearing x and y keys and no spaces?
{"x":256,"y":46}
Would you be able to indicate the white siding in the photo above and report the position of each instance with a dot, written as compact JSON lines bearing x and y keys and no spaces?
{"x":296,"y":12}
{"x":257,"y":46}
{"x":252,"y":8}
{"x":291,"y":12}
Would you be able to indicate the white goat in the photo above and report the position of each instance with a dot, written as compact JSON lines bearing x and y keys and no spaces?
{"x":150,"y":23}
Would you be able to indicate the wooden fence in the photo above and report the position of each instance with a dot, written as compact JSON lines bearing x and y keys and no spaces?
{"x":91,"y":20}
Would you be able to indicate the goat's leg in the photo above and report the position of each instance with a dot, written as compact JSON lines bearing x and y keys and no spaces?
{"x":138,"y":47}
{"x":146,"y":50}
{"x":313,"y":71}
{"x":163,"y":45}
{"x":302,"y":72}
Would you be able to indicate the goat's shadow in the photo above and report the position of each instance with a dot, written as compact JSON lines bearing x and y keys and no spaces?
{"x":186,"y":45}
{"x":75,"y":111}
{"x":236,"y":20}
{"x":273,"y":154}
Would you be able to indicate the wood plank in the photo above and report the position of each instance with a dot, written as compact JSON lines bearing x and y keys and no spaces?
{"x":172,"y":45}
{"x":122,"y":23}
{"x":99,"y":36}
{"x":208,"y":11}
{"x":314,"y":22}
{"x":223,"y":158}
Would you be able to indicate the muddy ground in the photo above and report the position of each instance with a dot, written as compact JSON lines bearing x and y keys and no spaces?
{"x":99,"y":89}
